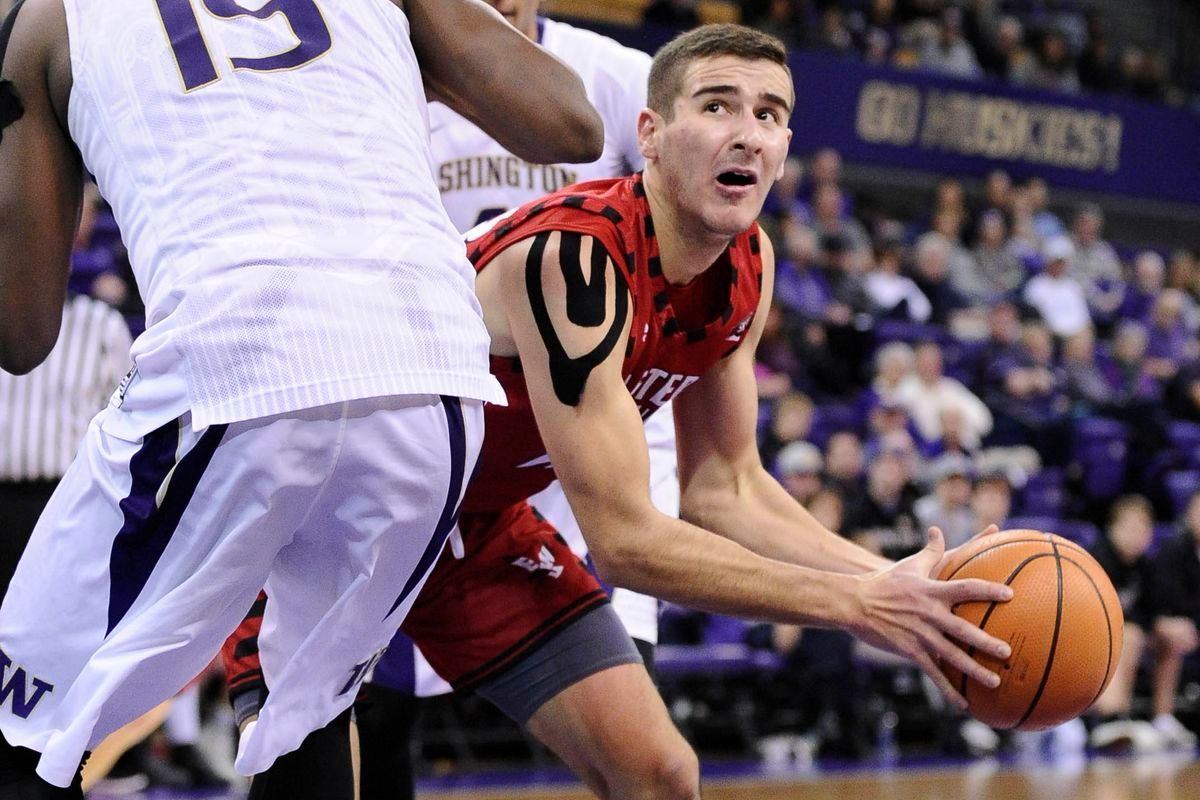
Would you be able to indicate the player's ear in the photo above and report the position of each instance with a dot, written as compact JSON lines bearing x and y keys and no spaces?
{"x":648,"y":124}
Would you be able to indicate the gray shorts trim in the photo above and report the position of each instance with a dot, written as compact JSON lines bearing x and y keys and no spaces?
{"x":593,"y":643}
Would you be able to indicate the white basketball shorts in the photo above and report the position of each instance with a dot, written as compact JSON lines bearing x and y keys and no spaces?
{"x":154,"y":546}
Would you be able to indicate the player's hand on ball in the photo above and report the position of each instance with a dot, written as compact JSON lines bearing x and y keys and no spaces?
{"x":907,"y":612}
{"x":950,"y":555}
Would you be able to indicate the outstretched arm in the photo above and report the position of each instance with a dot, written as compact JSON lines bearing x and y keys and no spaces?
{"x":479,"y":65}
{"x":567,"y":311}
{"x":723,"y":484}
{"x":40,"y":185}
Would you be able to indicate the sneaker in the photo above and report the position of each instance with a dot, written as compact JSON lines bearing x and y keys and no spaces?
{"x":1147,"y":739}
{"x":1173,"y":732}
{"x":1112,"y":737}
{"x":979,"y":738}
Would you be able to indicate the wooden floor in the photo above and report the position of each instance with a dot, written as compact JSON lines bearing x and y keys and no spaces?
{"x":1156,"y":778}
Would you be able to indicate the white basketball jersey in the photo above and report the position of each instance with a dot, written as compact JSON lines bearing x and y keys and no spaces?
{"x":271,"y":175}
{"x":479,"y":179}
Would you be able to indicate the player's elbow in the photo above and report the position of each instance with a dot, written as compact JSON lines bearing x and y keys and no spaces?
{"x":616,"y":558}
{"x":19,"y":359}
{"x":585,"y":139}
{"x":22,"y":348}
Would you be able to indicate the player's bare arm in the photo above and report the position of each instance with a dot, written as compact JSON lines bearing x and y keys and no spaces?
{"x":40,"y":184}
{"x":723,"y":484}
{"x":595,"y":440}
{"x":486,"y":70}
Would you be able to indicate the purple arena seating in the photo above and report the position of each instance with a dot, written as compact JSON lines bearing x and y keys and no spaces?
{"x":1044,"y":494}
{"x":1181,"y":485}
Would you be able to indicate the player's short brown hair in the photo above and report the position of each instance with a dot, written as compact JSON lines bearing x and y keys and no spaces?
{"x":707,"y":41}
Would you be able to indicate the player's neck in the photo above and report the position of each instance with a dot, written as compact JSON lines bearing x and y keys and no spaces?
{"x":685,"y":249}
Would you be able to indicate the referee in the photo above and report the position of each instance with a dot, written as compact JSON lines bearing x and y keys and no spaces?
{"x":44,"y":415}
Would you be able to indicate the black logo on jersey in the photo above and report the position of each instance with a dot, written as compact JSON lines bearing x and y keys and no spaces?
{"x":586,"y":308}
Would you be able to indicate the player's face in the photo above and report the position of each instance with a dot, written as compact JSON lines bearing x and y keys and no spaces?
{"x":521,"y":14}
{"x":726,"y":144}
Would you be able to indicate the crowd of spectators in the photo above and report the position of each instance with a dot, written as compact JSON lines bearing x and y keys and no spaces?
{"x":990,"y":362}
{"x":1058,"y":46}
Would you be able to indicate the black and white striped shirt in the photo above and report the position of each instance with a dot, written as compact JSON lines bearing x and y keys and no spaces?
{"x":44,"y":415}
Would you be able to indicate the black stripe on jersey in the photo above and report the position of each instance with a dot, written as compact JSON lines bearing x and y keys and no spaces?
{"x":649,"y":227}
{"x":612,"y":215}
{"x":586,"y":307}
{"x":754,"y":247}
{"x":655,"y":266}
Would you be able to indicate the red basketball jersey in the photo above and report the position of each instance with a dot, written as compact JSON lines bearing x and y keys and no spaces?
{"x":676,"y":335}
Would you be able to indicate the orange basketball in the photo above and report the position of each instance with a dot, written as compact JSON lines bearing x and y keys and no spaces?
{"x":1064,"y":625}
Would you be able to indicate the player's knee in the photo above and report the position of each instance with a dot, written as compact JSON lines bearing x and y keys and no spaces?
{"x":671,"y":774}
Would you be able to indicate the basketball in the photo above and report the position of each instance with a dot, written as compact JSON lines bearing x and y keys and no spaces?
{"x":1064,"y":625}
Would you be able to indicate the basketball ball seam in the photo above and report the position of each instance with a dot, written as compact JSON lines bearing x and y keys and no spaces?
{"x":1107,"y":626}
{"x":1012,"y":576}
{"x":1047,"y":540}
{"x":1053,"y":640}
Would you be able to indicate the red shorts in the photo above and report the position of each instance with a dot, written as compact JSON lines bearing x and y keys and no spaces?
{"x":518,"y":585}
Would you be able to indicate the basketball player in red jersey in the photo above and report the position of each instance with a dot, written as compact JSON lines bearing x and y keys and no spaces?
{"x":603,"y":302}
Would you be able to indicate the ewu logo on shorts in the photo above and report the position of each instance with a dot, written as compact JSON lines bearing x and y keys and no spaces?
{"x":544,"y":564}
{"x":13,"y":684}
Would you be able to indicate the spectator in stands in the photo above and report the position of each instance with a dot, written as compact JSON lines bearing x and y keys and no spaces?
{"x":820,"y":682}
{"x":1127,"y":371}
{"x":882,"y":519}
{"x":1097,"y":65}
{"x":1184,"y":393}
{"x":1053,"y":68}
{"x":949,"y":53}
{"x":931,"y":273}
{"x":991,"y":499}
{"x":1142,"y":74}
{"x":1046,"y":224}
{"x":791,"y":421}
{"x":998,"y":191}
{"x":1023,"y":239}
{"x":1057,"y":296}
{"x":1184,"y":273}
{"x":1006,"y":54}
{"x":927,"y":393}
{"x":1003,"y":341}
{"x":1095,"y":263}
{"x":844,"y":464}
{"x":893,"y":295}
{"x":958,"y":258}
{"x":678,"y":14}
{"x":779,"y":360}
{"x":949,"y":197}
{"x":1027,"y":394}
{"x":1171,"y":343}
{"x":1122,"y":552}
{"x":800,"y":287}
{"x":829,"y":218}
{"x":1177,"y":580}
{"x":784,"y":19}
{"x":843,"y":273}
{"x":948,"y":505}
{"x":1086,"y":383}
{"x":1149,"y":278}
{"x":833,"y":34}
{"x":996,"y":272}
{"x":893,"y":363}
{"x":799,"y":467}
